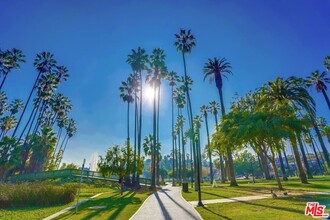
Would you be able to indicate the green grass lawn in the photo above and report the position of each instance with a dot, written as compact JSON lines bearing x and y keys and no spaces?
{"x":291,"y":207}
{"x":116,"y":206}
{"x":42,"y":212}
{"x":246,"y":187}
{"x":279,"y":208}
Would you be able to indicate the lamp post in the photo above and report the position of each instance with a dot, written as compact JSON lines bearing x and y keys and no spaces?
{"x":198,"y":157}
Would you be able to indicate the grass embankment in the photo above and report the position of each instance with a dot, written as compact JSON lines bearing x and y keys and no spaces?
{"x":292,"y":206}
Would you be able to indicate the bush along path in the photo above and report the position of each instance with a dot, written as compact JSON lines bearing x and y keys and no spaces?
{"x":166,"y":203}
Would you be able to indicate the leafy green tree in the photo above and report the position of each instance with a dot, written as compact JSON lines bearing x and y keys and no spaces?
{"x":246,"y":164}
{"x":116,"y":161}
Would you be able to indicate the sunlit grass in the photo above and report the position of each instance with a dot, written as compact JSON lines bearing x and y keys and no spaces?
{"x":279,"y":208}
{"x":116,"y":206}
{"x":246,"y":187}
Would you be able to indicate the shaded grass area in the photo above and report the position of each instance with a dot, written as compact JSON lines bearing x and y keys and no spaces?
{"x":246,"y":188}
{"x":116,"y":206}
{"x":279,"y":208}
{"x":42,"y":212}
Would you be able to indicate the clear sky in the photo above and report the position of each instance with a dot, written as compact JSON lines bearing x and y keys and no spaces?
{"x":261,"y":39}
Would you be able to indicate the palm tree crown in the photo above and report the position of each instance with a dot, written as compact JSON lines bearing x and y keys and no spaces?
{"x":185,"y":41}
{"x":216,"y":68}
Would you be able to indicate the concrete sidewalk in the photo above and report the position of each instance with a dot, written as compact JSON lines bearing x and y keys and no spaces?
{"x":166,"y":204}
{"x":255,"y":197}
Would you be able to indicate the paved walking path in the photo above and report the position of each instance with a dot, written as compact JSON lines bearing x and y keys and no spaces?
{"x":166,"y":204}
{"x":248,"y":198}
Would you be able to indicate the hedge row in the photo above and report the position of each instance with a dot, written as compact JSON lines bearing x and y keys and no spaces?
{"x":35,"y":194}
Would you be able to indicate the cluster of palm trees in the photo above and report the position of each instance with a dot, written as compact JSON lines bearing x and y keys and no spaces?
{"x":31,"y":145}
{"x":278,"y":115}
{"x":254,"y":121}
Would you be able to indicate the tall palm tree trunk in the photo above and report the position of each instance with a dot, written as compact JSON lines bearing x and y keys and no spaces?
{"x":191,"y":164}
{"x":264,"y":163}
{"x":286,"y":161}
{"x":176,"y":161}
{"x":158,"y":153}
{"x":325,"y":96}
{"x":173,"y":182}
{"x":301,"y":171}
{"x":315,"y":153}
{"x":209,"y":148}
{"x":153,"y":172}
{"x":26,"y":104}
{"x":184,"y":176}
{"x":285,"y":178}
{"x":135,"y":136}
{"x":233,"y":181}
{"x":324,"y":149}
{"x":308,"y":170}
{"x":139,"y":131}
{"x":3,"y":80}
{"x":280,"y":187}
{"x":222,"y":168}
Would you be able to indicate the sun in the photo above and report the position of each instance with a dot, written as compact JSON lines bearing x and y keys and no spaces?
{"x":149,"y":93}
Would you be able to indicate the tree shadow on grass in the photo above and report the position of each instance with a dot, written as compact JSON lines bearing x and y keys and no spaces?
{"x":209,"y":210}
{"x":113,"y":202}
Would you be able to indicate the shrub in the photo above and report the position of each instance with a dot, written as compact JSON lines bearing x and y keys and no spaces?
{"x":35,"y":194}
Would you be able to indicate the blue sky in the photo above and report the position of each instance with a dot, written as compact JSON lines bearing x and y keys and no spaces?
{"x":261,"y":39}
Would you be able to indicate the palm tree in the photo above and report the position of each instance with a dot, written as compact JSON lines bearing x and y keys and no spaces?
{"x":3,"y":102}
{"x":287,"y":95}
{"x":185,"y":41}
{"x":172,"y":78}
{"x":157,"y":71}
{"x":138,"y":60}
{"x":136,"y":90}
{"x":126,"y":91}
{"x":6,"y":124}
{"x":319,"y":81}
{"x":216,"y":69}
{"x":44,"y":63}
{"x":214,"y":108}
{"x":204,"y":110}
{"x":10,"y":60}
{"x":15,"y":106}
{"x":326,"y":63}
